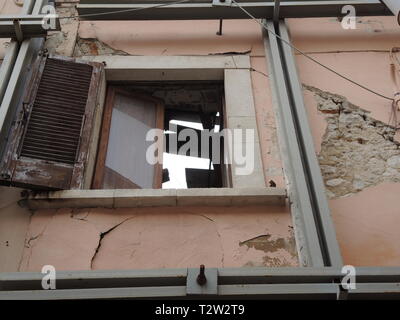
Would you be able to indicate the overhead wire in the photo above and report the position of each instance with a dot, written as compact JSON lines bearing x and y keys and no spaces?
{"x":309,"y":57}
{"x":256,"y":20}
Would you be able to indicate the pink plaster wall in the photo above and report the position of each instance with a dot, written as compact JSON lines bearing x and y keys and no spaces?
{"x":159,"y":238}
{"x":164,"y":237}
{"x":367,"y":223}
{"x":170,"y":237}
{"x":367,"y":226}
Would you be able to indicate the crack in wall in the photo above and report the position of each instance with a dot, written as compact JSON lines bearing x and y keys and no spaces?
{"x":357,"y":151}
{"x":218,"y":234}
{"x":101,"y":238}
{"x":29,"y":245}
{"x":230,"y":53}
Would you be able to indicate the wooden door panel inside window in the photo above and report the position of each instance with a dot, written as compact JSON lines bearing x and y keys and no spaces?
{"x":122,"y":162}
{"x":49,"y":141}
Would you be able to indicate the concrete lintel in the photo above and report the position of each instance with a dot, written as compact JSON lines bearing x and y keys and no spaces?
{"x":136,"y":198}
{"x":133,"y":68}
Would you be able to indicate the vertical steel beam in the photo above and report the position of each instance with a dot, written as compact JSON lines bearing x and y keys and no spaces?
{"x":276,"y":12}
{"x":11,"y":55}
{"x":27,"y":51}
{"x":308,"y":242}
{"x":39,"y":4}
{"x":394,"y":6}
{"x":7,"y":67}
{"x":28,"y":6}
{"x":322,"y":214}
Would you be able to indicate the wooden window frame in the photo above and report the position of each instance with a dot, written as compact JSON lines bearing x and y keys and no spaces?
{"x":98,"y":179}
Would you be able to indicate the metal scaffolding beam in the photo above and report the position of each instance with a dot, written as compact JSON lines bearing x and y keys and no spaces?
{"x":298,"y":283}
{"x":103,"y":10}
{"x":31,"y":26}
{"x":315,"y":187}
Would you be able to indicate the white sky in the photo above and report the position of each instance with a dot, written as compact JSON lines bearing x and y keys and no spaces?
{"x":176,"y":164}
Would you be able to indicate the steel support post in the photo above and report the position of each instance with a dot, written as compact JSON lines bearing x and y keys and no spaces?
{"x":11,"y":55}
{"x":315,"y":183}
{"x":28,"y":50}
{"x":307,"y":236}
{"x":7,"y":67}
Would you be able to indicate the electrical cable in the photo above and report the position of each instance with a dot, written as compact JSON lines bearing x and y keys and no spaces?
{"x":310,"y":58}
{"x":257,"y":21}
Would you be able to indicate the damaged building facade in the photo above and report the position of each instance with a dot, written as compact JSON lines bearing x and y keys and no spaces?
{"x":76,"y":193}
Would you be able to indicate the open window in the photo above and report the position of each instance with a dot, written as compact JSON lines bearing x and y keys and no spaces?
{"x":50,"y":142}
{"x":173,"y":108}
{"x":62,"y":139}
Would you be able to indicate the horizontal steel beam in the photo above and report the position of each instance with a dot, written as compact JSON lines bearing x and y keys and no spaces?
{"x":90,"y":279}
{"x":31,"y":26}
{"x":13,"y":281}
{"x":98,"y":293}
{"x":281,"y":291}
{"x":318,"y":291}
{"x":98,"y":10}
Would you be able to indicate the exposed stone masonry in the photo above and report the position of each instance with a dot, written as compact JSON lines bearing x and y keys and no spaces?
{"x":357,"y":151}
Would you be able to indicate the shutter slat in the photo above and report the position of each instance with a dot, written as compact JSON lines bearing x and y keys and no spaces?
{"x":59,"y":110}
{"x":60,"y":113}
{"x":49,"y":99}
{"x":58,"y":145}
{"x":57,"y":118}
{"x":52,"y":121}
{"x":55,"y":123}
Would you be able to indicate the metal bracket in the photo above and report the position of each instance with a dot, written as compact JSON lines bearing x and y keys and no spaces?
{"x":202,"y":282}
{"x":276,"y":13}
{"x":224,"y":3}
{"x":18,"y":30}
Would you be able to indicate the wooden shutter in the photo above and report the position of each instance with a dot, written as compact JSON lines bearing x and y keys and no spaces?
{"x":48,"y":146}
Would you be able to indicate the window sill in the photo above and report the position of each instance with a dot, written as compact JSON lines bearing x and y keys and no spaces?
{"x":135,"y":198}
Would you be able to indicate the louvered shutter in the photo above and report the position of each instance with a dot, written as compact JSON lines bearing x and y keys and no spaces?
{"x":50,"y":142}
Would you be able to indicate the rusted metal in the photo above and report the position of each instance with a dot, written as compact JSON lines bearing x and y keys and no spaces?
{"x":201,"y":278}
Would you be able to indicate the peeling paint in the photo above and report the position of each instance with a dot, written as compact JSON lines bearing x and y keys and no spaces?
{"x":94,"y":47}
{"x":278,"y":251}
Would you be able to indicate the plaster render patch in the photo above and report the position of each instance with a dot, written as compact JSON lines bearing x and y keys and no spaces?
{"x":357,"y":151}
{"x":278,"y":251}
